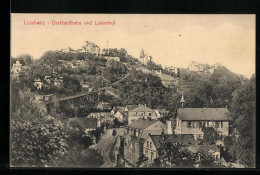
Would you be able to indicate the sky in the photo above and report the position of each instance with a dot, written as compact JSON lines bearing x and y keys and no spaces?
{"x":172,"y":40}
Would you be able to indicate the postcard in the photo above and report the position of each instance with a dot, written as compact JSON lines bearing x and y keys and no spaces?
{"x":132,"y":90}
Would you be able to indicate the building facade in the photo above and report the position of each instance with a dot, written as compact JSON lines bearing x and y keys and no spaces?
{"x":193,"y":120}
{"x":136,"y":134}
{"x":140,"y":112}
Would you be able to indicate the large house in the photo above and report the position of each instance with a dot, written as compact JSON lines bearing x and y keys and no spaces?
{"x":193,"y":120}
{"x":136,"y":134}
{"x":152,"y":146}
{"x":91,"y":48}
{"x":140,"y":112}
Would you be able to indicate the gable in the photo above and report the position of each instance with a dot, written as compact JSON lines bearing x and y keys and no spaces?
{"x":157,"y":126}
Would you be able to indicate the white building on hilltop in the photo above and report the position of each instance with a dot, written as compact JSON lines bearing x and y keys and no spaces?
{"x":144,"y":58}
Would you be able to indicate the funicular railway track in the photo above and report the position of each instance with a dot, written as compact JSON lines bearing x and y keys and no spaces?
{"x":88,"y":93}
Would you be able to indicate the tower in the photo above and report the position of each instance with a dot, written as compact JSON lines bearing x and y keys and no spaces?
{"x":182,"y":101}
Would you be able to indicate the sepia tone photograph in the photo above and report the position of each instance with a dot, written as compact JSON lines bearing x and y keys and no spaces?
{"x":132,"y":91}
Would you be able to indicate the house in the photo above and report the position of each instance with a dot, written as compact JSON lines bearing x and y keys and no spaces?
{"x":121,"y":116}
{"x":136,"y":134}
{"x":68,"y":49}
{"x":105,"y":117}
{"x":117,"y":108}
{"x":144,"y":58}
{"x":173,"y":70}
{"x":112,"y":58}
{"x":161,"y":112}
{"x":91,"y":48}
{"x":130,"y":107}
{"x":38,"y":83}
{"x":152,"y":145}
{"x":58,"y":81}
{"x":139,"y":112}
{"x":212,"y":151}
{"x":103,"y":106}
{"x":192,"y":120}
{"x":84,"y":124}
{"x":16,"y":69}
{"x":48,"y":79}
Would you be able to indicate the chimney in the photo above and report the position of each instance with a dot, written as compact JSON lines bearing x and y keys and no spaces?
{"x":169,"y":127}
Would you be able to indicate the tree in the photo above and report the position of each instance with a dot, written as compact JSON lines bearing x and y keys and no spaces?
{"x":242,"y":111}
{"x":79,"y":157}
{"x":35,"y":137}
{"x":25,"y":59}
{"x":175,"y":154}
{"x":210,"y":136}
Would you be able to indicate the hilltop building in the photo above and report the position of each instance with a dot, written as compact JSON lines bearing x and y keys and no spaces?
{"x":91,"y":48}
{"x":68,"y":50}
{"x":173,"y":70}
{"x":144,"y":58}
{"x":137,"y":133}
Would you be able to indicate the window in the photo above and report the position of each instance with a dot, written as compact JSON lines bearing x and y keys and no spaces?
{"x":152,"y":156}
{"x":201,"y":136}
{"x":147,"y":144}
{"x":189,"y":124}
{"x":146,"y":152}
{"x":200,"y":124}
{"x":151,"y":144}
{"x":149,"y":113}
{"x":207,"y":124}
{"x":221,"y":124}
{"x":216,"y":156}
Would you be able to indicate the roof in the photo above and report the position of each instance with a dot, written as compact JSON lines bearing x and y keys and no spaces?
{"x":99,"y":114}
{"x":208,"y":149}
{"x":203,"y":113}
{"x":185,"y":139}
{"x":142,"y":108}
{"x":108,"y":164}
{"x":142,"y":123}
{"x":119,"y":108}
{"x":84,"y":123}
{"x":131,"y":107}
